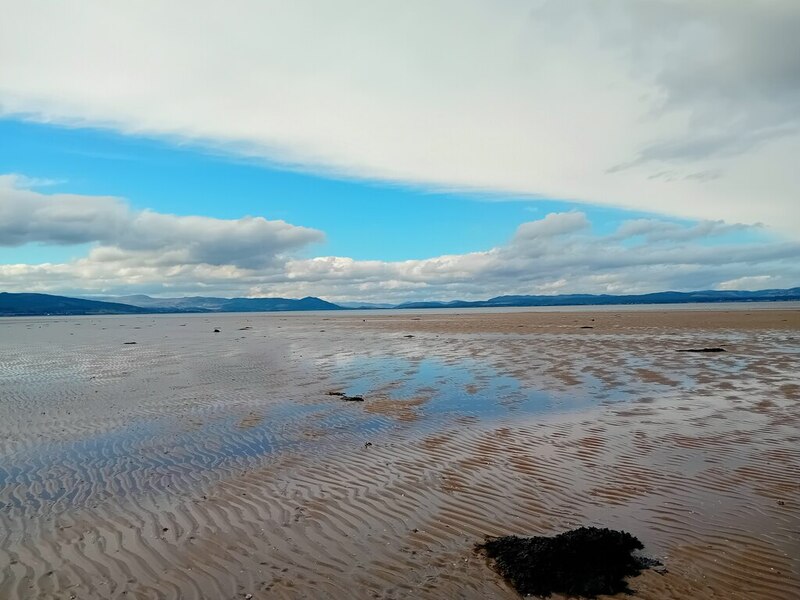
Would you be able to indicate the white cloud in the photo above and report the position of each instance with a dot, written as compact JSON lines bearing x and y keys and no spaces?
{"x":657,"y":230}
{"x":124,"y":235}
{"x":688,"y":108}
{"x":552,"y":225}
{"x":188,"y":255}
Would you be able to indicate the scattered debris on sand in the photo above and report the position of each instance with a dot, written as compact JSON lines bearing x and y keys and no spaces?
{"x":582,"y":562}
{"x":345,"y":397}
{"x":702,"y":350}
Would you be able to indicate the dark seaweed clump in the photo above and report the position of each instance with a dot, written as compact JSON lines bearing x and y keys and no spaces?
{"x":702,"y":350}
{"x":345,"y":397}
{"x":582,"y":562}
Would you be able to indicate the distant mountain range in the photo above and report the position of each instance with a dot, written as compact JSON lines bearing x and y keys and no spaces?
{"x":366,"y":305}
{"x":16,"y":305}
{"x":604,"y":299}
{"x":46,"y":304}
{"x":211,"y":304}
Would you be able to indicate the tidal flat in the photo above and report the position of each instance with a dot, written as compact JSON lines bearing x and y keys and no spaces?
{"x":152,"y":457}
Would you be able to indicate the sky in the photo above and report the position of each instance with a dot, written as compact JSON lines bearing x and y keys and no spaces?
{"x":385,"y":151}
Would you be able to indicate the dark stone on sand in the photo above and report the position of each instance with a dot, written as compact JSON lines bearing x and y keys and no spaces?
{"x":408,"y":336}
{"x":216,"y":331}
{"x":128,"y":343}
{"x":582,"y":562}
{"x":702,"y":350}
{"x":587,"y":327}
{"x":345,"y":397}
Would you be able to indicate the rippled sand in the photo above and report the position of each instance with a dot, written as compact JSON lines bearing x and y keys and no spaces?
{"x":195,"y":464}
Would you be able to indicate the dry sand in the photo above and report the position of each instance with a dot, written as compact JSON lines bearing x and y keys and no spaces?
{"x":201,"y":465}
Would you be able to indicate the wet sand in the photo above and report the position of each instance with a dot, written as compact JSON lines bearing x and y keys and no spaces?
{"x":195,"y":464}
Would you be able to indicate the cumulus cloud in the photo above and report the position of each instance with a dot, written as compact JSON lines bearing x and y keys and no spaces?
{"x":687,"y":108}
{"x":29,"y":216}
{"x":552,"y":225}
{"x":556,"y":254}
{"x":127,"y":236}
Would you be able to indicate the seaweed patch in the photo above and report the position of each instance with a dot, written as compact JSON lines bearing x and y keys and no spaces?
{"x":582,"y":562}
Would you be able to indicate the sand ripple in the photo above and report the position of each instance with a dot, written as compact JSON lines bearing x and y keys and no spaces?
{"x":194,"y":465}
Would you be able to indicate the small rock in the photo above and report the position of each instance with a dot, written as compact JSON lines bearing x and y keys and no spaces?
{"x":129,"y":343}
{"x":367,"y":444}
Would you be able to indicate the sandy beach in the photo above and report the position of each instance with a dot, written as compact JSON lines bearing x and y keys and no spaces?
{"x":150,"y":457}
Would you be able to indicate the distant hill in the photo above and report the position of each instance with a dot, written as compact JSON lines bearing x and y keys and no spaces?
{"x":191,"y":303}
{"x":14,"y":305}
{"x":270,"y":304}
{"x":605,"y":299}
{"x":365,"y":305}
{"x":46,"y":304}
{"x":212,"y":304}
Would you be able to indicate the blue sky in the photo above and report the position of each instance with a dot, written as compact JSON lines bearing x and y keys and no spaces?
{"x":400,"y":152}
{"x":365,"y":220}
